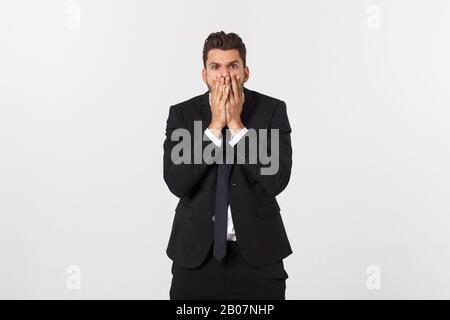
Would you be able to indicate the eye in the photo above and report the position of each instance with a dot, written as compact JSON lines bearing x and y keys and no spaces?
{"x":214,"y":67}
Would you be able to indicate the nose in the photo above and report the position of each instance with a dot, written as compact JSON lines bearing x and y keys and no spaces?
{"x":225,"y":72}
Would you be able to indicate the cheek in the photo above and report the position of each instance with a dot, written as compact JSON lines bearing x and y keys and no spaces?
{"x":241,"y":75}
{"x":211,"y":76}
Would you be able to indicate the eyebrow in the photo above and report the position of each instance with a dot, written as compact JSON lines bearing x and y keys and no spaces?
{"x":234,"y":61}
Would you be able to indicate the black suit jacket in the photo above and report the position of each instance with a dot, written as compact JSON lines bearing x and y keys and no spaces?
{"x":258,"y":225}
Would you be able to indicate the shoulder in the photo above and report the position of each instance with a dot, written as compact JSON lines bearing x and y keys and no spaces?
{"x":264,"y":97}
{"x":273,"y":106}
{"x":188,"y":104}
{"x":266,"y":101}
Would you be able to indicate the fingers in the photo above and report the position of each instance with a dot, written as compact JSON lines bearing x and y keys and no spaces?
{"x":220,"y":88}
{"x":219,"y":84}
{"x":225,"y":90}
{"x":228,"y":86}
{"x":215,"y":87}
{"x":235,"y":86}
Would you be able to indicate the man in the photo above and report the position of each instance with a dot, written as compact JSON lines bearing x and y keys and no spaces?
{"x":228,"y":240}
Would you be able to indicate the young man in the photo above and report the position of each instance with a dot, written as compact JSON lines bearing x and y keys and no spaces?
{"x":228,"y":240}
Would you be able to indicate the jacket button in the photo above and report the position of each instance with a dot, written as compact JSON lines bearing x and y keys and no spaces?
{"x":233,"y":184}
{"x":213,"y":218}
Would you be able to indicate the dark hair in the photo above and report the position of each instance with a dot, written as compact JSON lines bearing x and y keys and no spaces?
{"x":224,"y":41}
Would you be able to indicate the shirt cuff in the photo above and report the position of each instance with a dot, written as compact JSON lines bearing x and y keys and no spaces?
{"x":217,"y":141}
{"x":235,"y":139}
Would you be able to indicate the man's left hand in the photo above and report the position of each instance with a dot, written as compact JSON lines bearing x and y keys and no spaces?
{"x":234,"y":105}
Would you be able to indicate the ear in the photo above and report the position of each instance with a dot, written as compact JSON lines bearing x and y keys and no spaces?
{"x":204,"y":75}
{"x":246,"y":73}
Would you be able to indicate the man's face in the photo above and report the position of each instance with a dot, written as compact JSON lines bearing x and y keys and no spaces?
{"x":224,"y":63}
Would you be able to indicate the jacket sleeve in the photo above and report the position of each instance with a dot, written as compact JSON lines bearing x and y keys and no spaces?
{"x":180,"y":178}
{"x":273,"y":183}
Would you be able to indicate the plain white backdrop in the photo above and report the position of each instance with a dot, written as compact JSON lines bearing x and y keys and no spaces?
{"x":85,"y":88}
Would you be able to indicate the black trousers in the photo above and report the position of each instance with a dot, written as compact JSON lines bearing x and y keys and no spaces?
{"x":230,"y":279}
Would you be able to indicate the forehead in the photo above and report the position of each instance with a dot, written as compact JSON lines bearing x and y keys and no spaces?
{"x":223,"y":56}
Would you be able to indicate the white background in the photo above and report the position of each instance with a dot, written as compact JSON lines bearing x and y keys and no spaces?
{"x":83,"y":108}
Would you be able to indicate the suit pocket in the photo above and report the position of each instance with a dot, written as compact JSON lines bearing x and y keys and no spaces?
{"x":184,"y":210}
{"x":275,"y":271}
{"x":267,"y":209}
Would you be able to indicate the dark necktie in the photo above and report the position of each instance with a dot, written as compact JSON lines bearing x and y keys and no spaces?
{"x":221,"y":209}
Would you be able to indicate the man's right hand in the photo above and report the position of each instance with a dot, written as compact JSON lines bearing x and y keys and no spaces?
{"x":219,"y":96}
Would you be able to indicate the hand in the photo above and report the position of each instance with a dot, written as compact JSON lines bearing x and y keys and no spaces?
{"x":219,"y":95}
{"x":234,"y":104}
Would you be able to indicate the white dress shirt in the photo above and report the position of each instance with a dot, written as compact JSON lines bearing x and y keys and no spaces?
{"x":218,"y":142}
